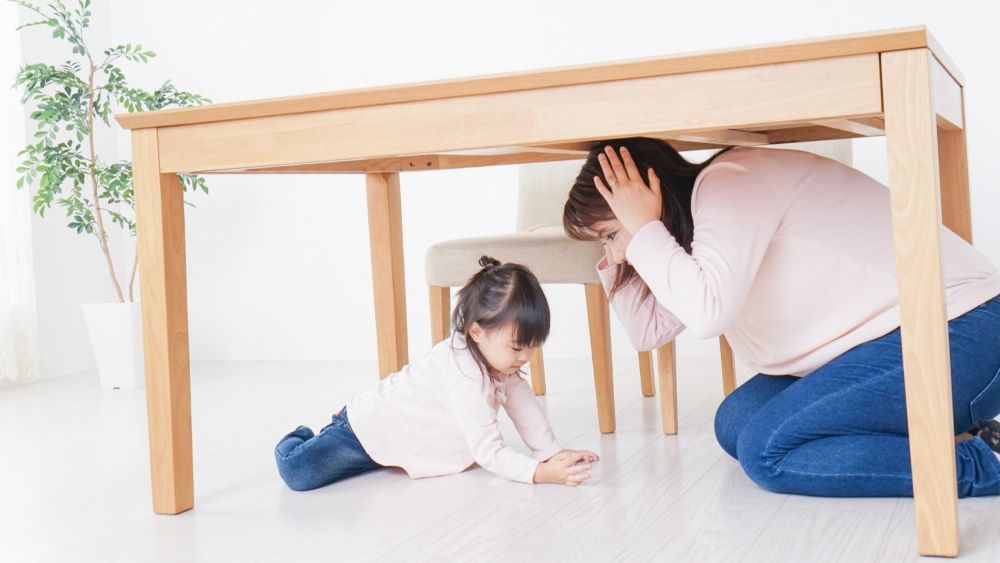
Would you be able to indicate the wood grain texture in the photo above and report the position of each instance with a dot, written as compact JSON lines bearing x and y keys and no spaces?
{"x":646,"y":374}
{"x":599,"y":321}
{"x":385,"y":228}
{"x":722,"y":99}
{"x":440,"y":301}
{"x":956,"y":207}
{"x":666,"y":369}
{"x":537,"y":369}
{"x":911,"y":140}
{"x":791,"y":51}
{"x":728,"y":366}
{"x":159,"y":210}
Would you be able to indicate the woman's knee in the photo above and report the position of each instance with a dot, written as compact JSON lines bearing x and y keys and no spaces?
{"x":742,"y":405}
{"x":728,"y":425}
{"x":757,"y":456}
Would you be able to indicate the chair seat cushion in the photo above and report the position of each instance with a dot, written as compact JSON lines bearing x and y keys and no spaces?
{"x":548,"y":252}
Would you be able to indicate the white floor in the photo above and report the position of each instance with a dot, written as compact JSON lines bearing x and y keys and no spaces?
{"x":74,"y":484}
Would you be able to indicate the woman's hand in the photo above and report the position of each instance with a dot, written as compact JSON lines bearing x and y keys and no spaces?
{"x":632,"y":202}
{"x":567,"y":467}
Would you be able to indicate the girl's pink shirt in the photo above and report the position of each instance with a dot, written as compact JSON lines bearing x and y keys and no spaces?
{"x":438,"y":416}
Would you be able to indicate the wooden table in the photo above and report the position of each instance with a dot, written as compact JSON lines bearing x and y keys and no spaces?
{"x":897,"y":83}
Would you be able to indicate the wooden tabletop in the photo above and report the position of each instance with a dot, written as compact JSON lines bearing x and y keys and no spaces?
{"x":812,"y":49}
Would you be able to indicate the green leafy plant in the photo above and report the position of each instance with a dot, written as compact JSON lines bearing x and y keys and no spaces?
{"x":68,"y":100}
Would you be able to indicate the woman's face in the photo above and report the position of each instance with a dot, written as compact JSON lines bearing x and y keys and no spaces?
{"x":615,"y":239}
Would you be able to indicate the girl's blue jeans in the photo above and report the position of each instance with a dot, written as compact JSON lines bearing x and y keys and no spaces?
{"x":841,"y":430}
{"x":307,"y":461}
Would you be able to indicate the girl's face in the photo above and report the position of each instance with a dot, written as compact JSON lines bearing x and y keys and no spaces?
{"x":615,"y":239}
{"x":502,"y":352}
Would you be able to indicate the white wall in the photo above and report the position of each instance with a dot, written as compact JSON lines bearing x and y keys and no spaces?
{"x":69,"y":267}
{"x":279,"y":266}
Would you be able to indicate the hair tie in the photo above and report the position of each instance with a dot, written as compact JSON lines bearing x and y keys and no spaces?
{"x":488,"y":263}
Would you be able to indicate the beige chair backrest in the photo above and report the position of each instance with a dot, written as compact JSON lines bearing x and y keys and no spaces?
{"x":542,"y":191}
{"x":543,"y":186}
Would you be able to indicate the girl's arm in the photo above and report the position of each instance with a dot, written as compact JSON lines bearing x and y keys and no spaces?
{"x":736,"y":214}
{"x":477,"y":420}
{"x":528,"y":418}
{"x":647,"y":323}
{"x":567,"y":467}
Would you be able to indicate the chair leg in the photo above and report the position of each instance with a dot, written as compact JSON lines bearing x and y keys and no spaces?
{"x":646,"y":374}
{"x":666,"y":359}
{"x":440,"y":312}
{"x":728,"y":367}
{"x":598,"y":317}
{"x":537,"y":367}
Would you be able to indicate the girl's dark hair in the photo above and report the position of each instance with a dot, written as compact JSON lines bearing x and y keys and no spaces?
{"x":586,"y":206}
{"x":498,"y":295}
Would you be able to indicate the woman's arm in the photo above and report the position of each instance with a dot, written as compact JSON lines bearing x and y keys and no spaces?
{"x":648,"y":324}
{"x":736,"y":214}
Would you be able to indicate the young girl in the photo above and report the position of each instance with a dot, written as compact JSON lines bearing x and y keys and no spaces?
{"x":438,"y":415}
{"x":790,"y":255}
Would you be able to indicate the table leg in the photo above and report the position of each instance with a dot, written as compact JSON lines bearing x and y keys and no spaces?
{"x":956,"y":210}
{"x":159,"y":207}
{"x":385,"y":230}
{"x":911,"y":140}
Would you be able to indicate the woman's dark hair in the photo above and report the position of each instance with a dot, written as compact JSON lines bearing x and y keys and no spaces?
{"x":586,"y":206}
{"x":498,"y":295}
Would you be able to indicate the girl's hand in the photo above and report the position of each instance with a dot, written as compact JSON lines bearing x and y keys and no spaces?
{"x":567,"y":467}
{"x":632,"y":202}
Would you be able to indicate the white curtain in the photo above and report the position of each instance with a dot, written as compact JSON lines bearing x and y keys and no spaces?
{"x":18,"y":321}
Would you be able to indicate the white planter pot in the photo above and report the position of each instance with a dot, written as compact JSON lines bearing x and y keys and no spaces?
{"x":116,"y":336}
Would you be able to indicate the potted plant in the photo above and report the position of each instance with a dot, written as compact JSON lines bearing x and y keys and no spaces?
{"x":65,"y":169}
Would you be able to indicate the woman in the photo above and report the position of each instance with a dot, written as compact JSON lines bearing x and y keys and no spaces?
{"x":790,"y":256}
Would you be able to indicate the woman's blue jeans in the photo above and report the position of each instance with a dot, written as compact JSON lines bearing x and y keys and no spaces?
{"x":841,"y":430}
{"x":307,"y":461}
